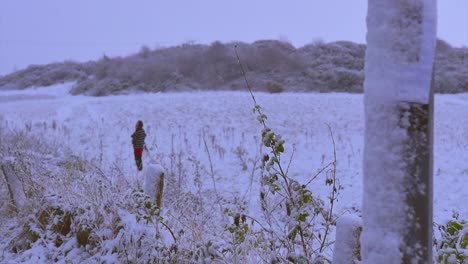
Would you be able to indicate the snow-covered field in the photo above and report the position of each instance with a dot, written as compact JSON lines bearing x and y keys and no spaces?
{"x":220,"y":130}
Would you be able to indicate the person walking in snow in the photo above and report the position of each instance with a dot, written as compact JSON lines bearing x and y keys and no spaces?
{"x":138,"y":142}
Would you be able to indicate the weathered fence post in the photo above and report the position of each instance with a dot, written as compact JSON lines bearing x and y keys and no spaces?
{"x":398,"y":103}
{"x":154,"y":183}
{"x":6,"y":168}
{"x":416,"y":119}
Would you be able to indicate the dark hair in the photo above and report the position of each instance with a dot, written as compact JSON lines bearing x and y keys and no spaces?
{"x":139,"y":125}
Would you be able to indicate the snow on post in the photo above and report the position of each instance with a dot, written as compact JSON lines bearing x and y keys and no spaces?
{"x":347,"y":245}
{"x":154,"y":183}
{"x":398,"y":103}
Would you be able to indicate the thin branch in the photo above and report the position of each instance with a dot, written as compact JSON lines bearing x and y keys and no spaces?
{"x":319,"y":172}
{"x":244,"y":75}
{"x":170,"y":231}
{"x":332,"y":196}
{"x":290,"y":159}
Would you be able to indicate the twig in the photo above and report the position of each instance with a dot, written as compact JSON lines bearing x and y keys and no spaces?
{"x":319,"y":172}
{"x":170,"y":231}
{"x":290,"y":159}
{"x":245,"y":77}
{"x":333,"y":195}
{"x":207,"y":150}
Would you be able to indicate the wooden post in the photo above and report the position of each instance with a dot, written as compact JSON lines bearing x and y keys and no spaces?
{"x":6,"y":169}
{"x":159,"y":190}
{"x":417,"y":119}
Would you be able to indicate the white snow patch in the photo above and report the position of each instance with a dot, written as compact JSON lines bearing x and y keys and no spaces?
{"x":404,"y":71}
{"x":53,"y":91}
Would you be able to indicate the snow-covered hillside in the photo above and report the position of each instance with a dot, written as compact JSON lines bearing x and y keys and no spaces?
{"x":220,"y":132}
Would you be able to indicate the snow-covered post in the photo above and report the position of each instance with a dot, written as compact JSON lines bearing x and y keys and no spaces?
{"x":398,"y":102}
{"x":154,"y":183}
{"x":347,"y":245}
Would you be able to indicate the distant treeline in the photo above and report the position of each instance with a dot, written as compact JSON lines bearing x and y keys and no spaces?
{"x":271,"y":65}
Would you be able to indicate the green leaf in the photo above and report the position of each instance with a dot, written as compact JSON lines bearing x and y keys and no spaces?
{"x":453,"y":227}
{"x":464,"y":242}
{"x":302,"y":217}
{"x":456,"y":225}
{"x":280,"y":148}
{"x":148,"y":205}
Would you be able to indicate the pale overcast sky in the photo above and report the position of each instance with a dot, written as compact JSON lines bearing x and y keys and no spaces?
{"x":39,"y":32}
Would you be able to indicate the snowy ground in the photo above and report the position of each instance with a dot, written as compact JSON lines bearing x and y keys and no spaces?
{"x":225,"y":119}
{"x":222,"y":127}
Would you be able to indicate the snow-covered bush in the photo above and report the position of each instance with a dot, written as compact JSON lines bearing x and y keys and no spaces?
{"x":298,"y":221}
{"x":273,"y":87}
{"x":452,"y":246}
{"x":450,"y":68}
{"x":296,"y":224}
{"x":45,"y":75}
{"x":325,"y":67}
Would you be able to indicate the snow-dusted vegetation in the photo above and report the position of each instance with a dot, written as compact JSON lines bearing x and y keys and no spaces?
{"x":70,"y":191}
{"x":273,"y":66}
